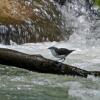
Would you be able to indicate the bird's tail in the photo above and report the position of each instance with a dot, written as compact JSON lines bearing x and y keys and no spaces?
{"x":72,"y":50}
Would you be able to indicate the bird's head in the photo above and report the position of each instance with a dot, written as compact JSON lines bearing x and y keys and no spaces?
{"x":52,"y":48}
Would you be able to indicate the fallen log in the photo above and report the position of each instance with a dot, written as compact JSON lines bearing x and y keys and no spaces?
{"x":39,"y":64}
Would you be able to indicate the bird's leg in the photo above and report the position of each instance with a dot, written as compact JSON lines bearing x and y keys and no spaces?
{"x":60,"y":59}
{"x":63,"y":59}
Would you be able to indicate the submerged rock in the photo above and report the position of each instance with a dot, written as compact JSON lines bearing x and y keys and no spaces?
{"x":29,"y":21}
{"x":61,"y":2}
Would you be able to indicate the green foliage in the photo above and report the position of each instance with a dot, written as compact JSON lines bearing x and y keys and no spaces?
{"x":97,"y":2}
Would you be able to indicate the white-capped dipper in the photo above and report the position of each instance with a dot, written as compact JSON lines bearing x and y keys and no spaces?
{"x":60,"y":53}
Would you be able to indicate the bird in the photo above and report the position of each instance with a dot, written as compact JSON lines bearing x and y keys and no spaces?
{"x":60,"y":53}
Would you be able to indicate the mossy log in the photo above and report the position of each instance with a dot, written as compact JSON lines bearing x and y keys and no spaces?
{"x":39,"y":64}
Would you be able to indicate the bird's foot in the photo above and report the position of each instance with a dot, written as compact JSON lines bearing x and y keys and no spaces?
{"x":61,"y":59}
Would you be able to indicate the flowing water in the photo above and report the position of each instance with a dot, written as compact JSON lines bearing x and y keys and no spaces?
{"x":20,"y":84}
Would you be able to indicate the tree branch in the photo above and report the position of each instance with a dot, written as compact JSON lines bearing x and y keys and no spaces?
{"x":40,"y":64}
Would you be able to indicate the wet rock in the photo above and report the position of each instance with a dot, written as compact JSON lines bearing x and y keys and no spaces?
{"x":29,"y":21}
{"x":61,"y":2}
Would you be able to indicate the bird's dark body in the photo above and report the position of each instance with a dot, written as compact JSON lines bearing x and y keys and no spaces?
{"x":60,"y":53}
{"x":63,"y":51}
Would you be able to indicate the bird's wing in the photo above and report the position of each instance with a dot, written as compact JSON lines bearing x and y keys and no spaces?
{"x":63,"y":51}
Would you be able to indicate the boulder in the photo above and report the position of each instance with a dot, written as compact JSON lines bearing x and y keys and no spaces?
{"x":24,"y":21}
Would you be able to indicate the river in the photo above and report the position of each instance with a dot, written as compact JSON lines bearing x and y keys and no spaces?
{"x":84,"y":24}
{"x":20,"y":84}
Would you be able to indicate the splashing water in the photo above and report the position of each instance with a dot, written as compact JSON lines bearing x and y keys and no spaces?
{"x":82,"y":20}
